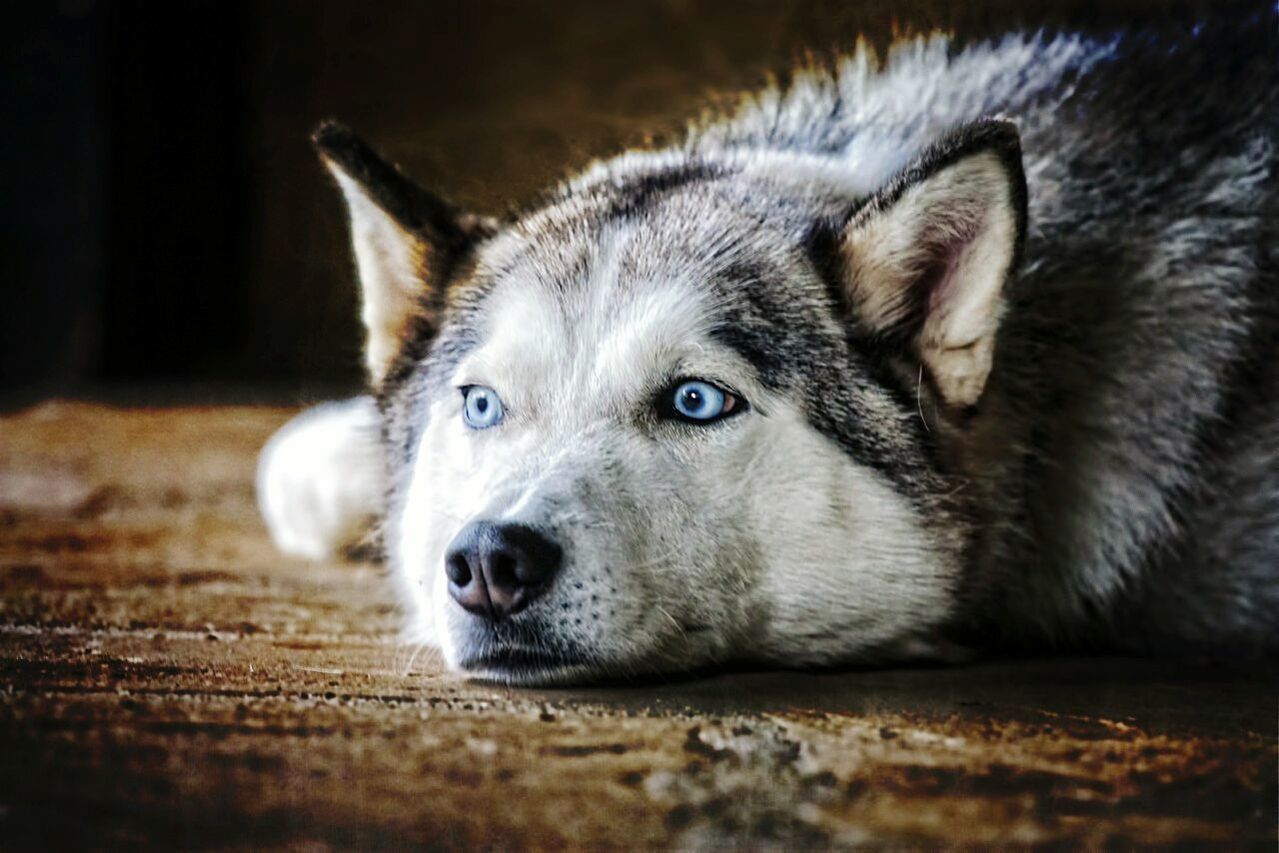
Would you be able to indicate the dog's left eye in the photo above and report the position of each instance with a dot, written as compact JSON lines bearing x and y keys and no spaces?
{"x":481,"y":407}
{"x":696,"y":401}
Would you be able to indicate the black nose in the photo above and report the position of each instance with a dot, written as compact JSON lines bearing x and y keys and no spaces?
{"x":495,"y":570}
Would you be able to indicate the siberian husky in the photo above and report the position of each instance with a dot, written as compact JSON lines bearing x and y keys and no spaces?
{"x":960,"y":348}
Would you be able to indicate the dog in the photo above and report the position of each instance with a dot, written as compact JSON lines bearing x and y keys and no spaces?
{"x":958,"y":349}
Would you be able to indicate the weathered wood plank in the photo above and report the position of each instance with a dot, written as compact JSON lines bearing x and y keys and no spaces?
{"x":167,"y":679}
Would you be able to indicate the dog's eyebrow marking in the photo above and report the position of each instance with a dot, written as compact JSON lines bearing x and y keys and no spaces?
{"x":751,"y":343}
{"x":749,"y":323}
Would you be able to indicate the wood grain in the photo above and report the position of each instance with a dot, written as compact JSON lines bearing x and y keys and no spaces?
{"x":167,"y":679}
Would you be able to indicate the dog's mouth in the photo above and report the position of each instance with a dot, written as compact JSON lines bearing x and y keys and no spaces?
{"x":515,"y":657}
{"x":518,"y":664}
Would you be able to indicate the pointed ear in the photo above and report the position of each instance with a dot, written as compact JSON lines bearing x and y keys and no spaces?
{"x":406,"y":243}
{"x":926,"y":260}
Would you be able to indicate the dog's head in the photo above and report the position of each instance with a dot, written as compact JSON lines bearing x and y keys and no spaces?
{"x":688,"y":409}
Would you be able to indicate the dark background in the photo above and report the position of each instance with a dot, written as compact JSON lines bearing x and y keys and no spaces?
{"x":167,"y":231}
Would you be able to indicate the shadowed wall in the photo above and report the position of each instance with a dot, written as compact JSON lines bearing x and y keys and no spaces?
{"x":167,"y":222}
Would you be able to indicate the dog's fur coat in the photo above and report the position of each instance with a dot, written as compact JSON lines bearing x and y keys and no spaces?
{"x":1005,"y":318}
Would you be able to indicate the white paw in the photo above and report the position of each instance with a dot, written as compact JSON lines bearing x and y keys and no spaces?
{"x":320,"y":479}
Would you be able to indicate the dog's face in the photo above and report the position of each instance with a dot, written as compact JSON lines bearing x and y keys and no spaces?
{"x":639,"y":429}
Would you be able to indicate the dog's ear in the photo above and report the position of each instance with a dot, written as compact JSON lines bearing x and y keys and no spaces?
{"x":925,"y":261}
{"x":406,"y":243}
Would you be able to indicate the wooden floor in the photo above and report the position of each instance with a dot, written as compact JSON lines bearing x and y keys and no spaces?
{"x":167,"y":679}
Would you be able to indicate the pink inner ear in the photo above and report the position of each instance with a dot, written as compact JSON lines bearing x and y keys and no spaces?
{"x":941,"y":274}
{"x":945,"y":255}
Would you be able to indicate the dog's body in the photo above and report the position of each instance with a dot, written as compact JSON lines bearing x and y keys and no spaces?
{"x":952,"y":406}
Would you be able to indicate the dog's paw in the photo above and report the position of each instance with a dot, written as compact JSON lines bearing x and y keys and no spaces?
{"x":320,"y":479}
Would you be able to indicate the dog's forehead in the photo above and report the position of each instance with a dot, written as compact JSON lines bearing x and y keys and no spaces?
{"x":583,"y":296}
{"x":607,"y":319}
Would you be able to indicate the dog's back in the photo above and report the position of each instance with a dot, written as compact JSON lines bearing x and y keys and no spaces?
{"x":1138,"y":362}
{"x":1136,"y":407}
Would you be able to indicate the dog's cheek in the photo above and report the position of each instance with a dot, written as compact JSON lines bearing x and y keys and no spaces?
{"x":850,"y":565}
{"x":697,"y":549}
{"x":799,"y":510}
{"x":427,"y":522}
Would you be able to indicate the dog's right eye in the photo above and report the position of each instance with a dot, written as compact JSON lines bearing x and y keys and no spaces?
{"x":697,"y":401}
{"x":481,"y":407}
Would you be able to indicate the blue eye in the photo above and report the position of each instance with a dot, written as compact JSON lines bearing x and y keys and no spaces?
{"x":698,"y":402}
{"x":481,"y":407}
